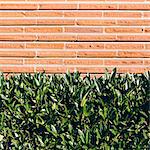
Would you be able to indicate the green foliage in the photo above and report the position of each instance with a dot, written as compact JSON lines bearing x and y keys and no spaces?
{"x":68,"y":112}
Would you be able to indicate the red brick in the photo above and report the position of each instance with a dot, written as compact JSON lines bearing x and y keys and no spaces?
{"x":11,"y":61}
{"x":15,"y":53}
{"x":122,"y":14}
{"x":83,"y":62}
{"x":43,"y":61}
{"x":147,"y":62}
{"x":43,"y":14}
{"x":16,"y":69}
{"x":55,"y":69}
{"x":11,"y":29}
{"x":11,"y":14}
{"x":122,"y":62}
{"x":135,"y":54}
{"x":141,"y":22}
{"x":123,"y":30}
{"x":83,"y":30}
{"x":147,"y":14}
{"x":95,"y":22}
{"x":91,"y":69}
{"x":147,"y":46}
{"x":134,"y":6}
{"x":97,"y":6}
{"x":58,"y":6}
{"x":56,"y":22}
{"x":126,"y":0}
{"x":59,"y":37}
{"x":96,"y":37}
{"x":17,"y":37}
{"x":44,"y":0}
{"x":11,"y":45}
{"x":147,"y":30}
{"x":124,"y":46}
{"x":82,"y":14}
{"x":133,"y":37}
{"x":43,"y":29}
{"x":133,"y":69}
{"x":45,"y":45}
{"x":18,"y":6}
{"x":96,"y":54}
{"x":56,"y":54}
{"x":86,"y":45}
{"x":14,"y":22}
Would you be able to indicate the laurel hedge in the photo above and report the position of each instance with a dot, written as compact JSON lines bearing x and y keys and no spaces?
{"x":68,"y":112}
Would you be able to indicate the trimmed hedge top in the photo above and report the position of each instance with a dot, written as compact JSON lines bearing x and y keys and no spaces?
{"x":40,"y":112}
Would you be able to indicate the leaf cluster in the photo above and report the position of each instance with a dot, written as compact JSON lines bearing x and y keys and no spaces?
{"x":68,"y":112}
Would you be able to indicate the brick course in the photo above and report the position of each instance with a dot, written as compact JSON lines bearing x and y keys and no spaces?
{"x":85,"y":35}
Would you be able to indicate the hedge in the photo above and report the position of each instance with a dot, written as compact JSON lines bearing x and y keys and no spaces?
{"x":68,"y":112}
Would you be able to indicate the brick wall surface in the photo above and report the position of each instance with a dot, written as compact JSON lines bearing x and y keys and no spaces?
{"x":84,"y":35}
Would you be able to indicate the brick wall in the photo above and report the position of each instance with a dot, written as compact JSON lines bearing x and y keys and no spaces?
{"x":87,"y":35}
